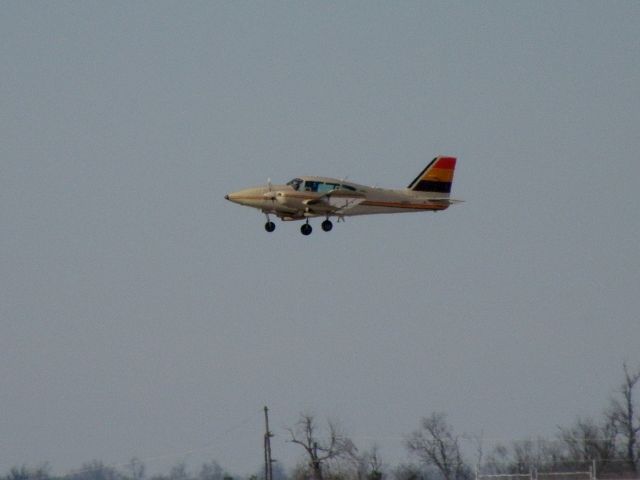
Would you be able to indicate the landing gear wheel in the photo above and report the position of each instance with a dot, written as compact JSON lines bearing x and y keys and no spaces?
{"x":306,"y":229}
{"x":269,"y":226}
{"x":327,"y":225}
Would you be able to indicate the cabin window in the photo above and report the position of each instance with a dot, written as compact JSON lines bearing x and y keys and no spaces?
{"x":310,"y":186}
{"x":326,"y":187}
{"x":319,"y":187}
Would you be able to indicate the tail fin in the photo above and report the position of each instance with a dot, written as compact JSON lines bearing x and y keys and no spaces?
{"x":437,"y":177}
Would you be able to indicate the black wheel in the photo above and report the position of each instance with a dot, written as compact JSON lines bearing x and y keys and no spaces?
{"x":269,"y":226}
{"x":306,"y":229}
{"x":327,"y":225}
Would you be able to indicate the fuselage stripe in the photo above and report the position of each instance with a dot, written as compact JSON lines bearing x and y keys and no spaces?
{"x":408,"y":206}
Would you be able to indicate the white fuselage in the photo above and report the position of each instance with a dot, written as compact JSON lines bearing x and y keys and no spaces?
{"x":291,"y":201}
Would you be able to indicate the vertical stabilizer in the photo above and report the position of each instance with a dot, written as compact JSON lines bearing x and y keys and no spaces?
{"x":437,"y":177}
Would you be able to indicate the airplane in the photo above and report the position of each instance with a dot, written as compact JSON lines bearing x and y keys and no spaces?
{"x":306,"y":197}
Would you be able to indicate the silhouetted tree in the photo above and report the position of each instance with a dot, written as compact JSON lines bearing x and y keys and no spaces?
{"x":521,"y":456}
{"x":361,"y":466}
{"x":179,"y":472}
{"x":320,"y":450}
{"x":95,"y":470}
{"x":135,"y":469}
{"x":211,"y":471}
{"x":624,"y":415}
{"x":408,"y":472}
{"x":586,"y":440}
{"x":371,"y":465}
{"x":498,"y":461}
{"x":436,"y":445}
{"x":25,"y":473}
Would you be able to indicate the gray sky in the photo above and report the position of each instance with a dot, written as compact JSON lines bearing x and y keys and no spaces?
{"x":144,"y":315}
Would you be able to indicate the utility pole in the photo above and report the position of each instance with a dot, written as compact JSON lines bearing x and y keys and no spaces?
{"x":268,"y":462}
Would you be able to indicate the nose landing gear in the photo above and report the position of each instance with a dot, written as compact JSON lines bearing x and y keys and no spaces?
{"x":269,"y":226}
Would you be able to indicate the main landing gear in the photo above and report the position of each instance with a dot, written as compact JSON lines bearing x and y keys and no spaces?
{"x":305,"y":229}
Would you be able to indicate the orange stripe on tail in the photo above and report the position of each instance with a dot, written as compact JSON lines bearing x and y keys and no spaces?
{"x":437,"y":177}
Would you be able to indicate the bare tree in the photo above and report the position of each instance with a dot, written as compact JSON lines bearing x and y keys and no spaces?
{"x":211,"y":471}
{"x":587,"y":440}
{"x":135,"y":469}
{"x":95,"y":470}
{"x":497,"y":462}
{"x":624,"y":416}
{"x":478,"y":442}
{"x":179,"y":472}
{"x":366,"y":465}
{"x":539,"y":453}
{"x":408,"y":472}
{"x":374,"y":466}
{"x":320,"y":450}
{"x":436,"y":445}
{"x":521,"y":456}
{"x":24,"y":473}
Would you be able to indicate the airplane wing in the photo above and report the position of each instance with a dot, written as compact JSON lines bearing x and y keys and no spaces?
{"x":335,"y":201}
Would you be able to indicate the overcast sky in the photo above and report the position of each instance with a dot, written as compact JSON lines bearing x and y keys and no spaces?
{"x":143,"y":315}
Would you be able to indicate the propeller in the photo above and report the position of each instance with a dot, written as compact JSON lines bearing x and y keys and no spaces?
{"x":275,"y":196}
{"x":271,"y":195}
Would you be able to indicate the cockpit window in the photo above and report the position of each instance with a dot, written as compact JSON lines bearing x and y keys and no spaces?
{"x":295,"y":184}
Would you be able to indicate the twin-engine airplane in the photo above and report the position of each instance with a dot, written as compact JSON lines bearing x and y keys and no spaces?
{"x":306,"y":197}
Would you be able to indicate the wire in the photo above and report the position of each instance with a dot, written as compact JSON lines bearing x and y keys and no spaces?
{"x":185,"y":453}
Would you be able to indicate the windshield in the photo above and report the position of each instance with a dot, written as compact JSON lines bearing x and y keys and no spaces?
{"x":295,"y":183}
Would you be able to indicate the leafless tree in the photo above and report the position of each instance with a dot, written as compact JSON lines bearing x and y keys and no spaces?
{"x":179,"y":472}
{"x":408,"y":472}
{"x":320,"y":450}
{"x":95,"y":470}
{"x":523,"y":455}
{"x":25,"y":473}
{"x":623,"y":414}
{"x":135,"y":469}
{"x":497,"y":461}
{"x":436,"y":445}
{"x":374,"y":466}
{"x":366,"y":465}
{"x":478,"y":443}
{"x":211,"y":471}
{"x":587,"y":440}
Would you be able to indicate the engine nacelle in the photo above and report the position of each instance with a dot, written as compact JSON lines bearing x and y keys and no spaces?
{"x":283,"y":199}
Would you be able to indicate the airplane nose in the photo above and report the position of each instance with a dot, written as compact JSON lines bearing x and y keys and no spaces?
{"x":233,"y":197}
{"x":248,"y":196}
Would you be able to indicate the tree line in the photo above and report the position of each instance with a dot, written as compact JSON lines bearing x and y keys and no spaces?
{"x":610,"y":443}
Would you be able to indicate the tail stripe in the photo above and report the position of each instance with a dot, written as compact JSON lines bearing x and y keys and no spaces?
{"x":429,"y":186}
{"x":436,"y":177}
